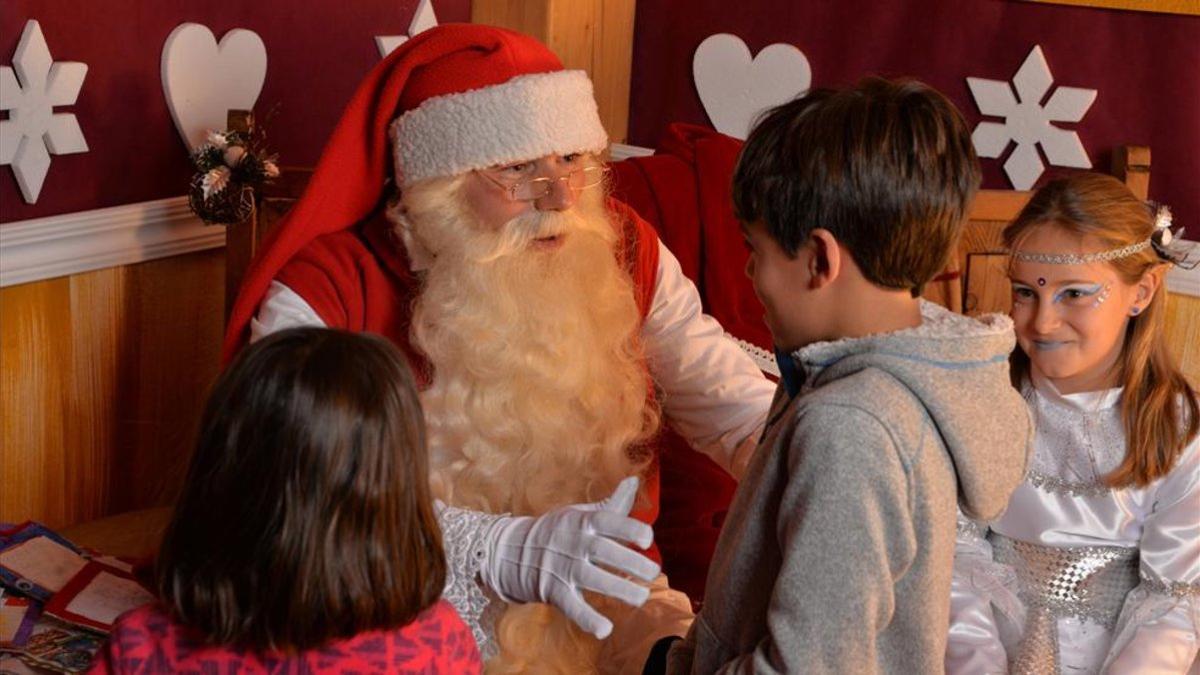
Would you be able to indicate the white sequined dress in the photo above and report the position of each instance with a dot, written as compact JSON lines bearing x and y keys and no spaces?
{"x":1077,"y":577}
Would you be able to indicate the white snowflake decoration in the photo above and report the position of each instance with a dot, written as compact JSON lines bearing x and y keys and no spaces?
{"x":1028,"y":122}
{"x":423,"y":20}
{"x":33,"y":131}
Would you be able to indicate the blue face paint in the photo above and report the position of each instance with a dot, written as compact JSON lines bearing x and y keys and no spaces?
{"x":1075,"y":293}
{"x":789,"y":374}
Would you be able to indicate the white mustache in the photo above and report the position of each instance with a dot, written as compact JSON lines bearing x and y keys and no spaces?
{"x":516,"y":235}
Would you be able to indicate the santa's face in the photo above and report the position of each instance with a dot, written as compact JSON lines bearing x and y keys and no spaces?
{"x":500,"y":194}
{"x":531,"y":328}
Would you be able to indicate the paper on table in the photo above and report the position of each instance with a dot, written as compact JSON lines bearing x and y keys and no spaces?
{"x":108,"y":596}
{"x":18,"y":616}
{"x":43,"y":561}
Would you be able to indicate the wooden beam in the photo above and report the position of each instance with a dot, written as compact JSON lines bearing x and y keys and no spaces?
{"x":591,"y":35}
{"x":1164,"y":6}
{"x":1131,"y":163}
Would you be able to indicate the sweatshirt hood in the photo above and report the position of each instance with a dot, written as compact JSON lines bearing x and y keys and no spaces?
{"x":957,"y":366}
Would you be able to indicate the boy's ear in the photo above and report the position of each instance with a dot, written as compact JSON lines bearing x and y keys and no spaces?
{"x":826,"y":262}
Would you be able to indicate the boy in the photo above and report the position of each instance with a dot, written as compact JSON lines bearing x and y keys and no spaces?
{"x":837,"y":552}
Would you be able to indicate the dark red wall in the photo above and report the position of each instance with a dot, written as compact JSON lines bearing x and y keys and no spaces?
{"x":317,"y":51}
{"x":1146,"y":66}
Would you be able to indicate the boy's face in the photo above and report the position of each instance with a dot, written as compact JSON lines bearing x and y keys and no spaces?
{"x":1070,"y":319}
{"x":780,"y":282}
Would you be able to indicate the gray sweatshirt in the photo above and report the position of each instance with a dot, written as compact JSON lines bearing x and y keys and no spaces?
{"x":837,"y":552}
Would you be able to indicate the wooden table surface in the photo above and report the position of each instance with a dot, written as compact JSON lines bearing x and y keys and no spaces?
{"x":135,"y":534}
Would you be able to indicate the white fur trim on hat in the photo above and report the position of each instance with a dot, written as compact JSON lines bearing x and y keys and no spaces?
{"x":527,"y":117}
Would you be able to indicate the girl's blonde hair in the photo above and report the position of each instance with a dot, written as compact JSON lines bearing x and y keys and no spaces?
{"x":1158,"y":407}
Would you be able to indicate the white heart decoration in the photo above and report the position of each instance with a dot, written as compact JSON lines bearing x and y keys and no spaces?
{"x":734,"y":87}
{"x":203,"y":80}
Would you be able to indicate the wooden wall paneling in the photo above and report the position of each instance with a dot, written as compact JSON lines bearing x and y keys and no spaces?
{"x":612,"y":64}
{"x":176,"y":316}
{"x":92,"y":396}
{"x":1183,"y":333}
{"x":102,"y":378}
{"x":592,"y":35}
{"x":35,"y":347}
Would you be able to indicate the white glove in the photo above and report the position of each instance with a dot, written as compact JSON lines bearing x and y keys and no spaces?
{"x":556,"y":556}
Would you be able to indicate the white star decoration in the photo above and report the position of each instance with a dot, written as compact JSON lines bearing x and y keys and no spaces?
{"x":33,"y":131}
{"x":423,"y":20}
{"x":1028,"y":122}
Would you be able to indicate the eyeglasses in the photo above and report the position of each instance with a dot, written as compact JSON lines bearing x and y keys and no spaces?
{"x":535,"y":189}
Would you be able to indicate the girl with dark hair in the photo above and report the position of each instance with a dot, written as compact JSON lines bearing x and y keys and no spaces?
{"x":1095,"y":565}
{"x":305,"y":539}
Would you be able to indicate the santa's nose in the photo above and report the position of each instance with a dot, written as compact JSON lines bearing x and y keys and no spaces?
{"x":559,"y":197}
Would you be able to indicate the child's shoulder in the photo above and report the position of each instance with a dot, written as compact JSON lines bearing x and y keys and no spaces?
{"x":442,"y":635}
{"x":151,"y":616}
{"x":869,"y":396}
{"x":856,"y":414}
{"x":440,"y":618}
{"x":867,"y":421}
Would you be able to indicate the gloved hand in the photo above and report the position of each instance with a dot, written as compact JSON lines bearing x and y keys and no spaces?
{"x":556,"y":556}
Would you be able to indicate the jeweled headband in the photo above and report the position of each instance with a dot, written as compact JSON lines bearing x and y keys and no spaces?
{"x":1076,"y":259}
{"x":1162,"y":240}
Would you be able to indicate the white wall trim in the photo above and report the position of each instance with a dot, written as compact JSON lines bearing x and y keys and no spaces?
{"x":1185,"y":282}
{"x":55,"y":246}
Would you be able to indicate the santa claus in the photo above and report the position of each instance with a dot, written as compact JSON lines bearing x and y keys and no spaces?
{"x":460,"y":209}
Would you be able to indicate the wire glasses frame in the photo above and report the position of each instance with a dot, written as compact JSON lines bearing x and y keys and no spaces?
{"x":535,"y":189}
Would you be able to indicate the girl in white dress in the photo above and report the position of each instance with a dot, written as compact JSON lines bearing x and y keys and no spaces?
{"x":1095,"y":565}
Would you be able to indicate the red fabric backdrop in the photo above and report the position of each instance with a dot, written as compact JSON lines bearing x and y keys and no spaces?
{"x":317,"y":51}
{"x":1146,"y":66}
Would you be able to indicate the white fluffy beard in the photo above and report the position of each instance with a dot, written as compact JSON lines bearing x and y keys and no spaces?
{"x":539,"y":395}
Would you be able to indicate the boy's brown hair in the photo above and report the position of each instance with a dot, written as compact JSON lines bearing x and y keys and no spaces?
{"x":306,"y":515}
{"x":887,"y":167}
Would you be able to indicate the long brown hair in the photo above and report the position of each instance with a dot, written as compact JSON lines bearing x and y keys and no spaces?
{"x":1158,"y":406}
{"x":307,"y":514}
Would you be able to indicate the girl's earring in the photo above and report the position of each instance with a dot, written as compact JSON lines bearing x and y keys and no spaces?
{"x":1135,"y":311}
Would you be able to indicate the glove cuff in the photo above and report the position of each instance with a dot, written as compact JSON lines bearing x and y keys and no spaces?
{"x":505,"y":531}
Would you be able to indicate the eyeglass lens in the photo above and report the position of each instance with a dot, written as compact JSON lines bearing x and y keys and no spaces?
{"x":578,"y":179}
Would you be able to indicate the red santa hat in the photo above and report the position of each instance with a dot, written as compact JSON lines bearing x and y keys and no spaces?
{"x":455,"y":98}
